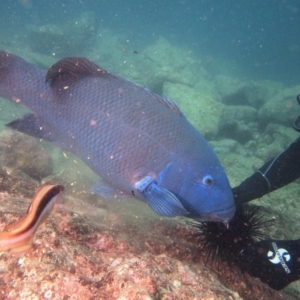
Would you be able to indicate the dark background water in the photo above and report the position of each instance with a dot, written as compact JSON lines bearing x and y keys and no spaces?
{"x":259,"y":39}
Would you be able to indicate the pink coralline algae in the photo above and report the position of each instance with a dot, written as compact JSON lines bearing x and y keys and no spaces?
{"x":89,"y":249}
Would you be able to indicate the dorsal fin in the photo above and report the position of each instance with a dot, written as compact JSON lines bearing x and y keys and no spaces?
{"x":170,"y":104}
{"x":74,"y":66}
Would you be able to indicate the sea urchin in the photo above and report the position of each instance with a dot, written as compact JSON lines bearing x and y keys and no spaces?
{"x":225,"y":241}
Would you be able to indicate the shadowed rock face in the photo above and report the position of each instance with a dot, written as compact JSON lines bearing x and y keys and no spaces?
{"x":16,"y":183}
{"x":62,"y":39}
{"x":89,"y":248}
{"x":24,"y":153}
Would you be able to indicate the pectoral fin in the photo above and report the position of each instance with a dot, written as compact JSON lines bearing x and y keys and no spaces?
{"x":108,"y":192}
{"x":31,"y":125}
{"x":161,"y":200}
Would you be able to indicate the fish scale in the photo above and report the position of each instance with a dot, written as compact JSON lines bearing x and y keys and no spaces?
{"x":136,"y":141}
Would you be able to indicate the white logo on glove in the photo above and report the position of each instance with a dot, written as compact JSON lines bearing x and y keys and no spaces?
{"x":280,"y":256}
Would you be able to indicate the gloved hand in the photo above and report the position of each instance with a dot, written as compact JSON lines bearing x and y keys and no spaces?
{"x":251,"y":188}
{"x":276,"y":263}
{"x":276,"y":173}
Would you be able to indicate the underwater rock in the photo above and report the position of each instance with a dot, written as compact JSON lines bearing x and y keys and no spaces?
{"x":242,"y":113}
{"x":158,"y":63}
{"x":282,"y":108}
{"x":284,"y":135}
{"x":71,"y":172}
{"x":22,"y":152}
{"x":64,"y":39}
{"x":45,"y":39}
{"x":202,"y":111}
{"x":15,"y":182}
{"x":9,"y":111}
{"x":226,"y":146}
{"x":117,"y":257}
{"x":239,"y":166}
{"x":165,"y":62}
{"x":274,"y":140}
{"x":110,"y":50}
{"x":251,"y":93}
{"x":259,"y":92}
{"x":207,"y":87}
{"x":238,"y":122}
{"x":226,"y":85}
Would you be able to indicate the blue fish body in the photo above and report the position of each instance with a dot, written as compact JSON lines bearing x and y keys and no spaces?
{"x":139,"y":143}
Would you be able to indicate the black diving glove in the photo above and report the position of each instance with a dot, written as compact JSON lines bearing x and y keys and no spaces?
{"x":276,"y":263}
{"x":252,"y":188}
{"x":276,"y":173}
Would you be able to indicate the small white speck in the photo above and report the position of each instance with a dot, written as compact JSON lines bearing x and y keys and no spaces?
{"x":48,"y":294}
{"x":21,"y":261}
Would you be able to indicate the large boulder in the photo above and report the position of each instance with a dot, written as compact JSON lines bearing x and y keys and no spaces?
{"x":202,"y":111}
{"x":275,"y":139}
{"x":282,"y":108}
{"x":233,"y":91}
{"x":164,"y":62}
{"x":62,"y":40}
{"x":22,"y":152}
{"x":238,"y":122}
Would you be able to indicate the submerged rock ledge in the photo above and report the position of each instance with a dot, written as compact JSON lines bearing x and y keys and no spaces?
{"x":120,"y":250}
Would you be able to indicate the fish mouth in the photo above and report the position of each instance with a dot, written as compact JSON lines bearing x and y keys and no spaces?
{"x":220,"y":216}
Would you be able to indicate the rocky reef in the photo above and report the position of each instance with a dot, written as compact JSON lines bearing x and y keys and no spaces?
{"x":91,"y":249}
{"x":24,"y":153}
{"x":62,"y":39}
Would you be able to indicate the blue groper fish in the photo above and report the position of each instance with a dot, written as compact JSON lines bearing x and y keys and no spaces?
{"x":138,"y":142}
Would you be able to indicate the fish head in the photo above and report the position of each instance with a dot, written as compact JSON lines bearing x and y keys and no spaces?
{"x":202,"y":188}
{"x":206,"y":194}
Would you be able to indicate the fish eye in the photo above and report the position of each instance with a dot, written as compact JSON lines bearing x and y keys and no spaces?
{"x":207,"y":180}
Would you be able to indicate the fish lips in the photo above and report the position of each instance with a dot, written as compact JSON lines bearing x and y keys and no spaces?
{"x":220,"y":216}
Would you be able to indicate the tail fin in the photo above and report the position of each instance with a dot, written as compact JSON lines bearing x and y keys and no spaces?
{"x":20,"y":81}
